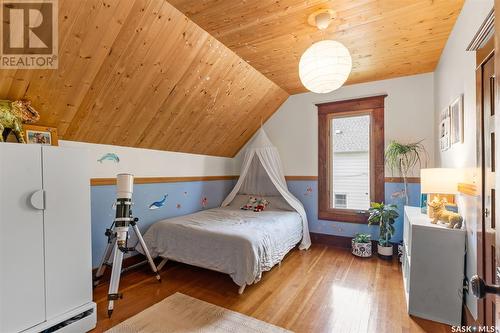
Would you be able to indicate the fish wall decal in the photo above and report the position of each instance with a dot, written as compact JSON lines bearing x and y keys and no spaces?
{"x":398,"y":194}
{"x":109,"y":157}
{"x":159,"y":204}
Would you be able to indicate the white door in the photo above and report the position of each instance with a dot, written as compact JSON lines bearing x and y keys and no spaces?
{"x":66,"y":181}
{"x":22,"y":299}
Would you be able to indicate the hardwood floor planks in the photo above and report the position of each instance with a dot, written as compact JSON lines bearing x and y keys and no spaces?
{"x":324,"y":289}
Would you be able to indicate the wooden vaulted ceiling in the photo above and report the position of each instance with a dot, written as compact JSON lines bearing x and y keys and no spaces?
{"x":386,"y":38}
{"x":139,"y":73}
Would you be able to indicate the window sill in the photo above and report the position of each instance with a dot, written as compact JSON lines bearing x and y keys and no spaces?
{"x":344,"y":215}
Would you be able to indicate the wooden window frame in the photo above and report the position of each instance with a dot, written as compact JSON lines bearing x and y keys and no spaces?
{"x":374,"y":107}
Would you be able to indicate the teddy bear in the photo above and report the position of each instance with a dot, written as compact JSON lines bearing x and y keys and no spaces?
{"x":250,"y":205}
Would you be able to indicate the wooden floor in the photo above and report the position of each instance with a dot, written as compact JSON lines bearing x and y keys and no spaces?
{"x":324,"y":289}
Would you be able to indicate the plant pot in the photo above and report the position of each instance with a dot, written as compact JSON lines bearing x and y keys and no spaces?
{"x":363,"y":250}
{"x":400,"y":252}
{"x":384,"y":252}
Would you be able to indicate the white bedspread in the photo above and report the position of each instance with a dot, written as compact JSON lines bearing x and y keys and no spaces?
{"x":240,"y":243}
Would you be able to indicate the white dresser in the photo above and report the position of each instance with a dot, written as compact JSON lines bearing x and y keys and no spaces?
{"x":45,"y":250}
{"x":433,"y":268}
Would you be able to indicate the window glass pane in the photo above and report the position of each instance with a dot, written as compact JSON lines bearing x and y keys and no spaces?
{"x":340,"y":201}
{"x":350,"y":154}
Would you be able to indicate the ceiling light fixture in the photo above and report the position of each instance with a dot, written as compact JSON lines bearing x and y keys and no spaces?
{"x":325,"y":65}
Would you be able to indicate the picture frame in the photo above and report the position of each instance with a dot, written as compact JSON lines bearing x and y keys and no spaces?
{"x":444,"y":129}
{"x":41,"y":135}
{"x":457,"y":121}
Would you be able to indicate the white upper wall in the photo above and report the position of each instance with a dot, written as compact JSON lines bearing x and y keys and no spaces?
{"x":455,"y":75}
{"x":153,"y":163}
{"x":409,"y":116}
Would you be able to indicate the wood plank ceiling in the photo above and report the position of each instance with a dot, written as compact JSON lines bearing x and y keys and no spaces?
{"x":387,"y":38}
{"x":139,"y":73}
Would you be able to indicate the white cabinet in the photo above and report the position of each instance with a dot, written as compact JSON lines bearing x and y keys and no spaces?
{"x":433,"y":268}
{"x":45,"y":254}
{"x":22,"y":280}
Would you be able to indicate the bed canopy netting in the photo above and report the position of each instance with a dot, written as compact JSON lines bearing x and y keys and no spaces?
{"x":262,"y":173}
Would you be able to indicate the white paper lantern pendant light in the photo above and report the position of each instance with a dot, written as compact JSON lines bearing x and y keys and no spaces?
{"x":325,"y":65}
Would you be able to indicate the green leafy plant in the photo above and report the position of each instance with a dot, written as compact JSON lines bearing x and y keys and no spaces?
{"x":385,"y":216}
{"x":403,"y":158}
{"x":362,"y":238}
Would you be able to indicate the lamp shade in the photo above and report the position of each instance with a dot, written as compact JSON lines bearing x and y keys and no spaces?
{"x":440,"y":180}
{"x":325,"y":66}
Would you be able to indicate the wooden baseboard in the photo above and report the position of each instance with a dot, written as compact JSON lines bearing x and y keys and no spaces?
{"x":344,"y":242}
{"x":331,"y":240}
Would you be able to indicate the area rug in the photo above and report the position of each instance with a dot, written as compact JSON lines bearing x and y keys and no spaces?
{"x":180,"y":313}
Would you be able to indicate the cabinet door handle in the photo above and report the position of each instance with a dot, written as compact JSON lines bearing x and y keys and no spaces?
{"x":37,"y":200}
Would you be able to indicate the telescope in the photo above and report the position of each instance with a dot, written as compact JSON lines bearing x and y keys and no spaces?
{"x":118,"y":235}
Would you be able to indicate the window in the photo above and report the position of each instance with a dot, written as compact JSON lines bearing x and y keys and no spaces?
{"x":351,"y":158}
{"x":340,"y":201}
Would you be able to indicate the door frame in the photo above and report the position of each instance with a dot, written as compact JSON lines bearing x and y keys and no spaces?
{"x":483,"y":55}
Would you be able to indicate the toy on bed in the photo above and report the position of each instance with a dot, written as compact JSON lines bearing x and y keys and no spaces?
{"x":261,"y":205}
{"x":439,"y":213}
{"x":13,"y":115}
{"x":257,"y":204}
{"x":251,"y":203}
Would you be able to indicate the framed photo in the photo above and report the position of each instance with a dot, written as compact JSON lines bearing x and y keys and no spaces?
{"x":444,"y":130}
{"x":41,"y":135}
{"x":457,"y":120}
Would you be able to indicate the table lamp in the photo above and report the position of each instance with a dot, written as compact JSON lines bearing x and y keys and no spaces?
{"x":439,"y":184}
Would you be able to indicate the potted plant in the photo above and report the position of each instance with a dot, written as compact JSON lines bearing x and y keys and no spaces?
{"x":403,"y":158}
{"x":385,"y":216}
{"x":362,"y":245}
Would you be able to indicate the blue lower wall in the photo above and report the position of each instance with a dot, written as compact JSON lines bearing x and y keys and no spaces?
{"x":187,"y":197}
{"x":307,"y":192}
{"x":183,"y":198}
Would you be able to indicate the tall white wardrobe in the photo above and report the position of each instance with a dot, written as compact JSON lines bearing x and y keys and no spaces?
{"x":45,"y":245}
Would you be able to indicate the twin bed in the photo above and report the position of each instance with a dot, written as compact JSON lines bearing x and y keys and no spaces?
{"x":241,"y":243}
{"x":237,"y":242}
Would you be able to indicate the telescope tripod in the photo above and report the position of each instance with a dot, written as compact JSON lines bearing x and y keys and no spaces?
{"x":116,"y":264}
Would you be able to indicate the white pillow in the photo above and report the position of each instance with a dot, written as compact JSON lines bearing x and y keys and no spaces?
{"x":238,"y":201}
{"x":278,"y":203}
{"x":275,"y":202}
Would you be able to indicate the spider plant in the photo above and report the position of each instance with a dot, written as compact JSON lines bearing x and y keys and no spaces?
{"x":403,"y":158}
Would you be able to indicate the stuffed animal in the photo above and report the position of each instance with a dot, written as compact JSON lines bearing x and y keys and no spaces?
{"x":439,"y":213}
{"x":250,"y":205}
{"x":261,"y":205}
{"x":13,"y":115}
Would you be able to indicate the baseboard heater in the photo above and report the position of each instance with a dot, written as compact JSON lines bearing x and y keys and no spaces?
{"x":70,"y":321}
{"x":81,"y":319}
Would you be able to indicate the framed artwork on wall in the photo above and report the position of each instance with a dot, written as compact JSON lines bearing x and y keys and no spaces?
{"x":41,"y":135}
{"x":444,"y":129}
{"x":457,"y":120}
